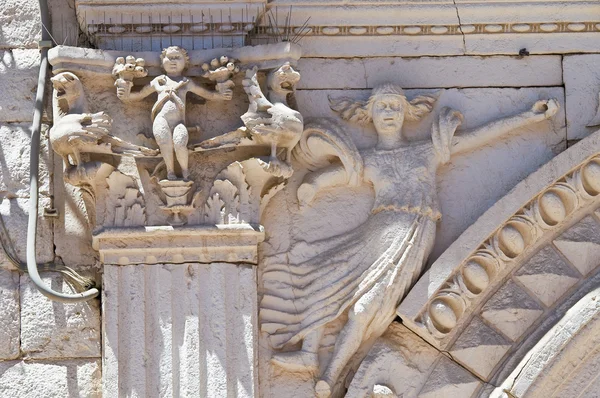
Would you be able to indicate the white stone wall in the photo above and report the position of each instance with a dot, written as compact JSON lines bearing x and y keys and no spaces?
{"x":46,"y":349}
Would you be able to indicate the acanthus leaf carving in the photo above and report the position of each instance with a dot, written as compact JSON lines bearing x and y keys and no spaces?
{"x":125,"y":205}
{"x":214,"y":209}
{"x":229,"y":195}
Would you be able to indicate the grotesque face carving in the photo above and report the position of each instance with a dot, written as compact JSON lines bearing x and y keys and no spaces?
{"x":67,"y":91}
{"x":174,"y":61}
{"x":284,"y":79}
{"x":388,"y":114}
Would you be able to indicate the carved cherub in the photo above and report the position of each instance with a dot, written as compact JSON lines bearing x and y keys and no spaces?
{"x":168,"y":113}
{"x":77,"y":131}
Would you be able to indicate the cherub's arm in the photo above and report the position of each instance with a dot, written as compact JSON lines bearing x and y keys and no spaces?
{"x":125,"y":93}
{"x":471,"y":139}
{"x":209,"y":94}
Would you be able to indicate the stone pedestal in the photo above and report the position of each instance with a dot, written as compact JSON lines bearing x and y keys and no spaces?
{"x":179,"y":312}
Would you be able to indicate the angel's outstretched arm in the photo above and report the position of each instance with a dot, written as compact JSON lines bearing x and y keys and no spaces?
{"x":471,"y":139}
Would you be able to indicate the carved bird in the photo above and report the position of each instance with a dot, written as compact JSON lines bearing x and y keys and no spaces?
{"x":274,"y":124}
{"x":75,"y":131}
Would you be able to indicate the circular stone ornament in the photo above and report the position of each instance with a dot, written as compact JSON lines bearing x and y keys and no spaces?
{"x":590,"y":176}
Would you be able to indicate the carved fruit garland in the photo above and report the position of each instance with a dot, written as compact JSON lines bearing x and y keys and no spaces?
{"x":487,"y":263}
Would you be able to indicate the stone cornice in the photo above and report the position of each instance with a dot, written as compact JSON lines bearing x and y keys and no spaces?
{"x":404,"y":28}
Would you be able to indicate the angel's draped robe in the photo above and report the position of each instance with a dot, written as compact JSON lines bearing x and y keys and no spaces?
{"x":373,"y":266}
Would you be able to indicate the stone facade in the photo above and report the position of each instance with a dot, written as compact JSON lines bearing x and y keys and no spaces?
{"x":356,"y":198}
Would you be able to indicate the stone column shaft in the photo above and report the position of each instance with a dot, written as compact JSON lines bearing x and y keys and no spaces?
{"x":179,"y":330}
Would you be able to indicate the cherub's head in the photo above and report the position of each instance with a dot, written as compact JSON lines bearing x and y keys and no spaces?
{"x":174,"y":60}
{"x":387,"y":108}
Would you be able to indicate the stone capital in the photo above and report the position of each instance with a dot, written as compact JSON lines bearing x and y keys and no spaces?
{"x":165,"y":244}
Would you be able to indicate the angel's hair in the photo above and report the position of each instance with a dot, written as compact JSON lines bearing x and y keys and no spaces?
{"x":180,"y":50}
{"x":361,"y":111}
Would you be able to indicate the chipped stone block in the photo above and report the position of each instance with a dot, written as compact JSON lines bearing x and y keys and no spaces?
{"x":9,"y":315}
{"x":511,"y":310}
{"x":19,"y":77}
{"x":547,"y":275}
{"x":581,"y":244}
{"x":479,"y":348}
{"x":582,"y":91}
{"x":56,"y":330}
{"x":430,"y":72}
{"x":15,"y":146}
{"x":69,"y":379}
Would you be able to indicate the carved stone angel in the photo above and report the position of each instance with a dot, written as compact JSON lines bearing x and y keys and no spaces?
{"x":366,"y":272}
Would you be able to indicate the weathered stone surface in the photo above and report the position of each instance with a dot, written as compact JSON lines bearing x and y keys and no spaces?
{"x":511,"y":310}
{"x":51,"y":330}
{"x":9,"y":315}
{"x":20,"y":24}
{"x":582,"y":90}
{"x":514,"y":203}
{"x":448,"y":379}
{"x":430,"y":72}
{"x":169,"y":348}
{"x":65,"y":28}
{"x":69,"y":379}
{"x":479,"y":348}
{"x":581,"y":244}
{"x":15,"y":145}
{"x":418,"y":28}
{"x":18,"y":76}
{"x":399,"y":360}
{"x":564,"y":362}
{"x":547,"y":275}
{"x":15,"y":217}
{"x":180,"y":330}
{"x":72,"y":234}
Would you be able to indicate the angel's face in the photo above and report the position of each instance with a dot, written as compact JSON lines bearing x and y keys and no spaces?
{"x":388,"y":114}
{"x":173,"y":62}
